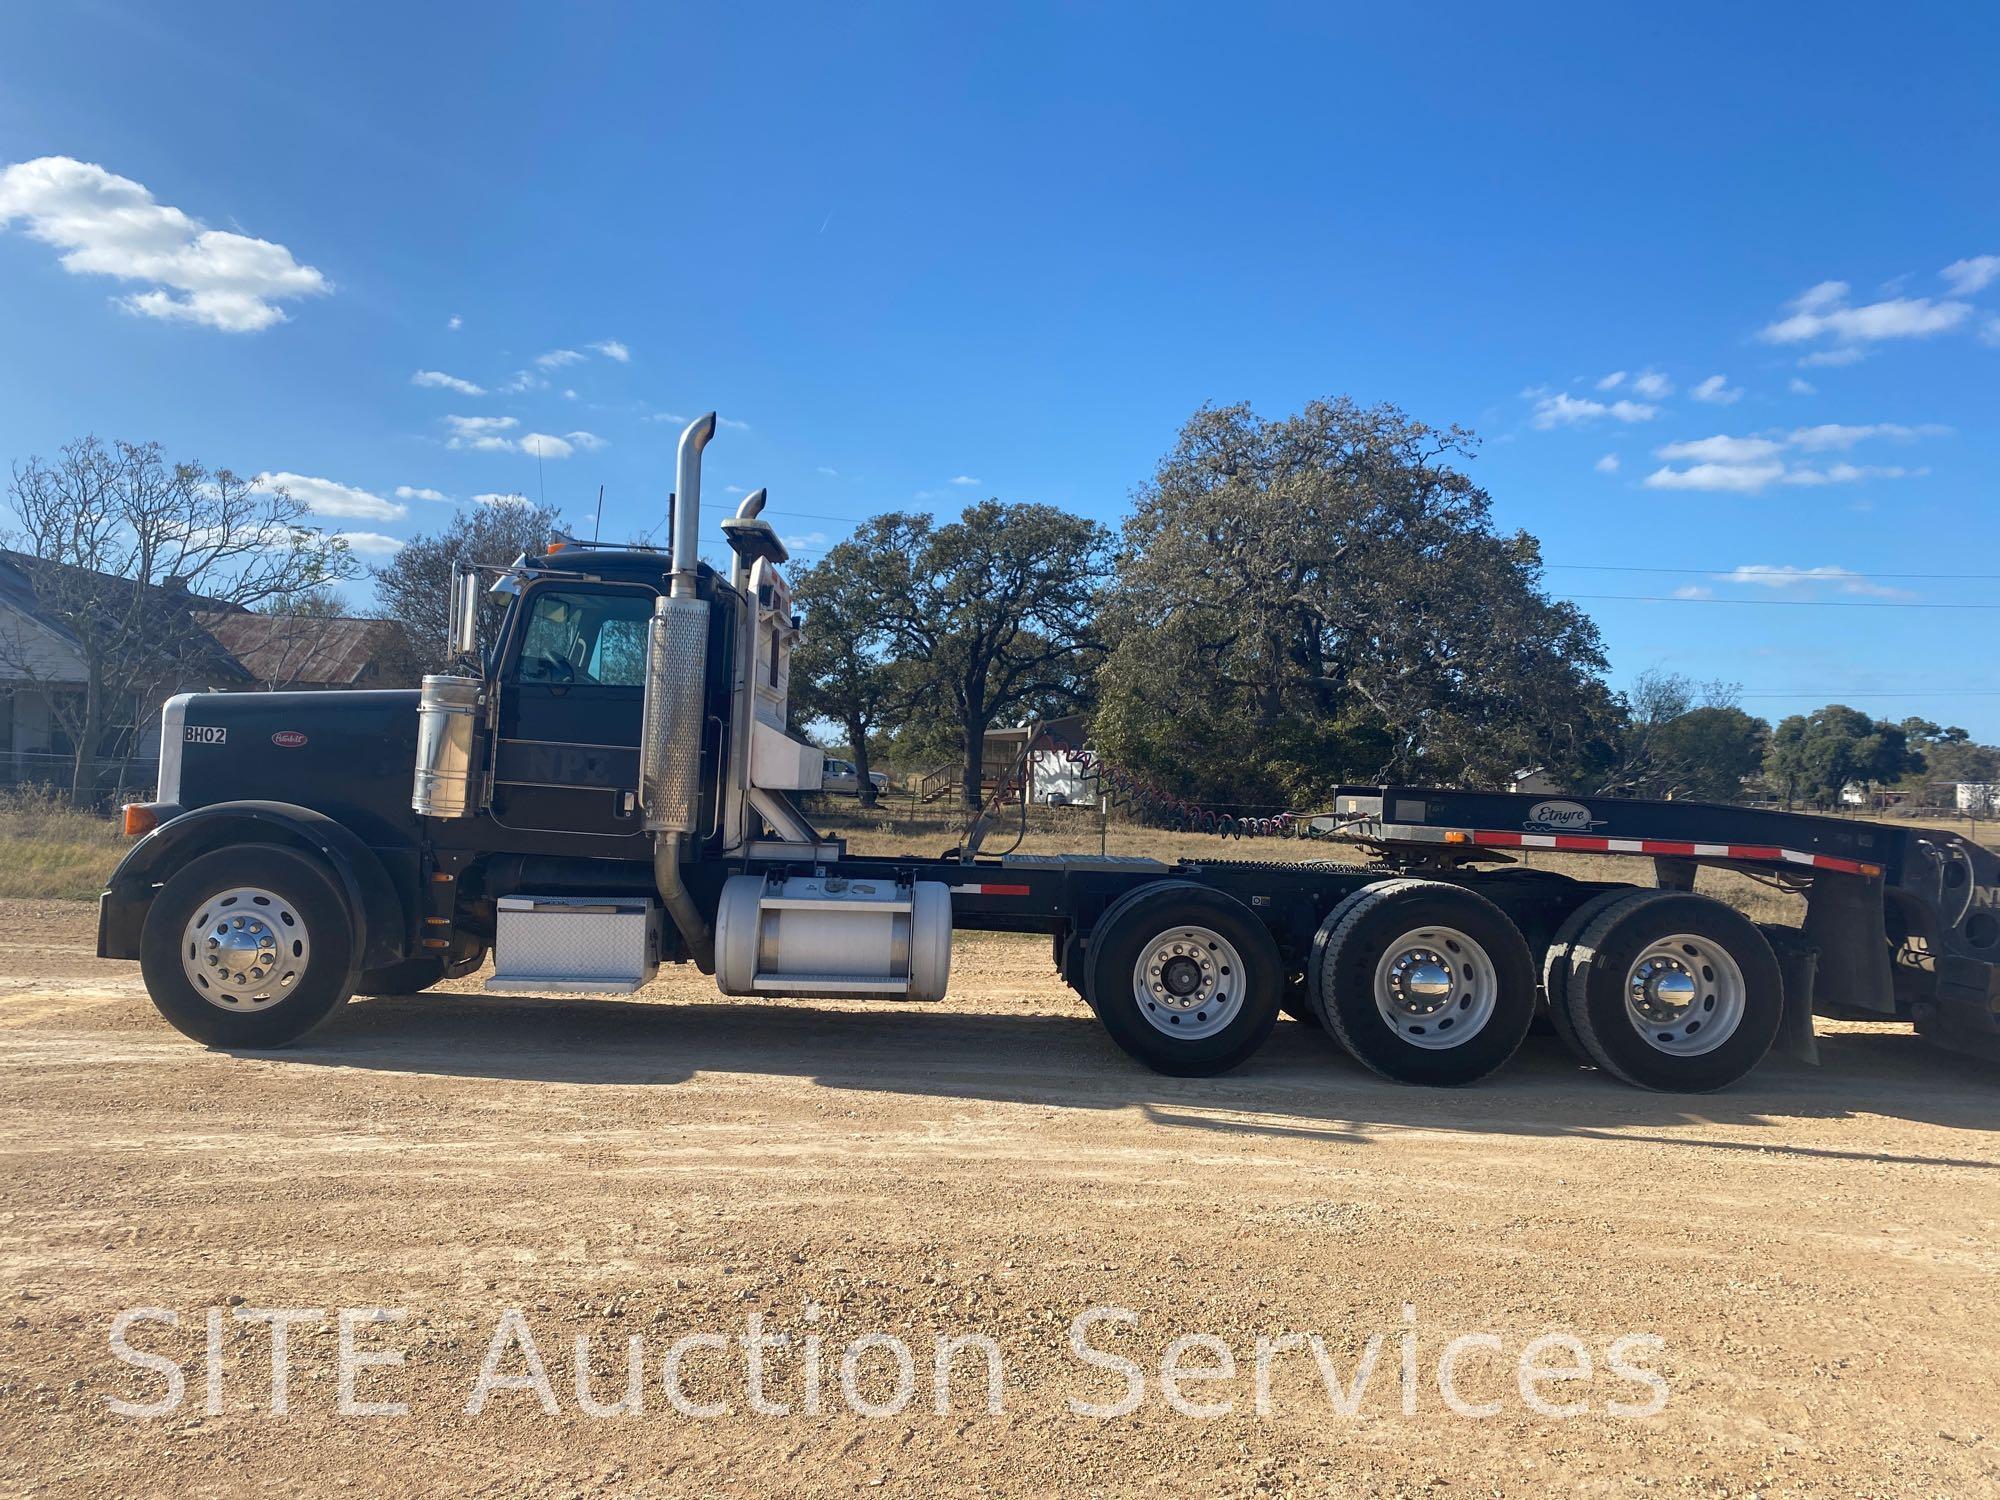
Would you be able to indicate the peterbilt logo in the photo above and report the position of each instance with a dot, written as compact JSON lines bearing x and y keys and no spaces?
{"x":1560,"y":817}
{"x":289,"y":739}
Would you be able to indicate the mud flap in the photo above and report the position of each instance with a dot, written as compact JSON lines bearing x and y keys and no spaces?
{"x":1798,"y":962}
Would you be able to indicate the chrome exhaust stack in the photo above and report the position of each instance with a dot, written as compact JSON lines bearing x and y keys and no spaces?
{"x":671,"y":730}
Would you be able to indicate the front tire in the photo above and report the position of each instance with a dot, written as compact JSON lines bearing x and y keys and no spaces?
{"x":250,"y":946}
{"x":1424,"y":981}
{"x":1184,"y":978}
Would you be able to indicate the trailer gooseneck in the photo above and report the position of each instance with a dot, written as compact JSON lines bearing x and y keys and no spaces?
{"x":609,"y":786}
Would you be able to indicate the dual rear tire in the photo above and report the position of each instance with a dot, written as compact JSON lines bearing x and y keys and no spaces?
{"x":1665,"y":990}
{"x":1427,"y":982}
{"x":1422,"y":981}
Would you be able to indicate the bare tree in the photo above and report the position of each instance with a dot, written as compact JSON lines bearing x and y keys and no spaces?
{"x":412,"y":589}
{"x":118,"y":549}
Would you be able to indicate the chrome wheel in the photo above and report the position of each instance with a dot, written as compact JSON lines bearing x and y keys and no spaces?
{"x":1685,"y":995}
{"x":1188,"y":982}
{"x":245,"y":949}
{"x":1435,"y":988}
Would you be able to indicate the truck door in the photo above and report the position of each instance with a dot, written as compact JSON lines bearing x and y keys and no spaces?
{"x":571,"y":697}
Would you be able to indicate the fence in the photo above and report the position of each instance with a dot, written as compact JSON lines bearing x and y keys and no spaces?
{"x":108,"y":779}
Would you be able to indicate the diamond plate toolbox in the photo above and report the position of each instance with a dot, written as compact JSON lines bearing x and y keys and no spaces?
{"x":575,"y":944}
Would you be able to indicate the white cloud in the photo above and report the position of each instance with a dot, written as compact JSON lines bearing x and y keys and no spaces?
{"x":830,"y":473}
{"x":437,"y":380}
{"x":1800,"y":387}
{"x":1745,"y":465}
{"x":1833,"y":359}
{"x":668,"y":416}
{"x":555,"y":359}
{"x":1722,"y":449}
{"x":1561,"y":410}
{"x":544,"y":445}
{"x":1848,"y":473}
{"x":1842,"y":436}
{"x":965,"y":480}
{"x":808,"y":539}
{"x":1824,"y":311}
{"x":1717,"y":391}
{"x":1765,"y":575}
{"x":569,"y":394}
{"x":513,"y":497}
{"x":454,"y":322}
{"x":1694,"y":591}
{"x":589,"y":442}
{"x":324,"y":497}
{"x":481,"y":434}
{"x":107,"y":225}
{"x":1612,"y":381}
{"x":369,"y":543}
{"x":1652,"y":384}
{"x":523,"y":380}
{"x":1607,"y":464}
{"x":415,"y":492}
{"x":612,"y":349}
{"x":732,"y":422}
{"x":1742,"y":479}
{"x":1974,"y":274}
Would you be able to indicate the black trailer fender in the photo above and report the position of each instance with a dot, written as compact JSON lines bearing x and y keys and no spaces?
{"x":384,"y":918}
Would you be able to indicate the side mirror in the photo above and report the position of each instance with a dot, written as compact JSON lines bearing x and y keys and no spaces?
{"x":462,"y":614}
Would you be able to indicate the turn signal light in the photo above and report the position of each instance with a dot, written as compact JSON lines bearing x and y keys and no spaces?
{"x":141,"y":818}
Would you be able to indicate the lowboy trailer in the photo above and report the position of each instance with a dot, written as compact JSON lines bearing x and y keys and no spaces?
{"x":607,"y":786}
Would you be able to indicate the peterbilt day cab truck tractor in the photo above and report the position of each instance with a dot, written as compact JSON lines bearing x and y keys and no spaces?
{"x":608,"y":785}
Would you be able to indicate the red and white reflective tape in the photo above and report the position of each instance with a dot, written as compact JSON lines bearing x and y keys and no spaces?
{"x":990,"y":889}
{"x":1584,"y":843}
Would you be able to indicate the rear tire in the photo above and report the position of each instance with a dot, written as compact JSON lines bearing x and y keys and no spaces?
{"x":1184,"y":978}
{"x":1424,"y":981}
{"x":1555,"y":969}
{"x":1673,"y":991}
{"x":250,"y":946}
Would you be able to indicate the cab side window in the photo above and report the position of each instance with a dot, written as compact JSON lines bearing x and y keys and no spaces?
{"x":579,"y":636}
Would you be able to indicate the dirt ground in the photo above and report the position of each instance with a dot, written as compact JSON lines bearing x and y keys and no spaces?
{"x":1817,"y":1252}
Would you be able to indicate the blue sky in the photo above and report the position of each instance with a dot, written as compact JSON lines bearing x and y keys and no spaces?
{"x":926,"y":254}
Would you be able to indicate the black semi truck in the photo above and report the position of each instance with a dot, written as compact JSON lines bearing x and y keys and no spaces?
{"x":608,"y":783}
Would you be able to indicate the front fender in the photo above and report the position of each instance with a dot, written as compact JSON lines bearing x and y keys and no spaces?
{"x":384,"y":917}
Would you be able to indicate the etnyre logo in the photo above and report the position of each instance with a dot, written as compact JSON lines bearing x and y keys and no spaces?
{"x":1560,"y":817}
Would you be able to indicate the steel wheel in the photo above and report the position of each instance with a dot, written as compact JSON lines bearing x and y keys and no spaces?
{"x":1183,"y":977}
{"x":1670,"y":990}
{"x":280,"y":973}
{"x":245,"y":949}
{"x":1423,"y":981}
{"x":1188,"y":982}
{"x":1436,"y":988}
{"x":1685,"y":995}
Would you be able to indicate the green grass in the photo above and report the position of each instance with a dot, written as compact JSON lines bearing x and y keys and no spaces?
{"x":52,"y":851}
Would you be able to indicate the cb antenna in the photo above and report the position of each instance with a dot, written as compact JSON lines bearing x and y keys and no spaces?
{"x":597,"y":530}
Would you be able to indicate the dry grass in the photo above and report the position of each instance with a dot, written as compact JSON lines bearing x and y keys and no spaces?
{"x":51,"y":850}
